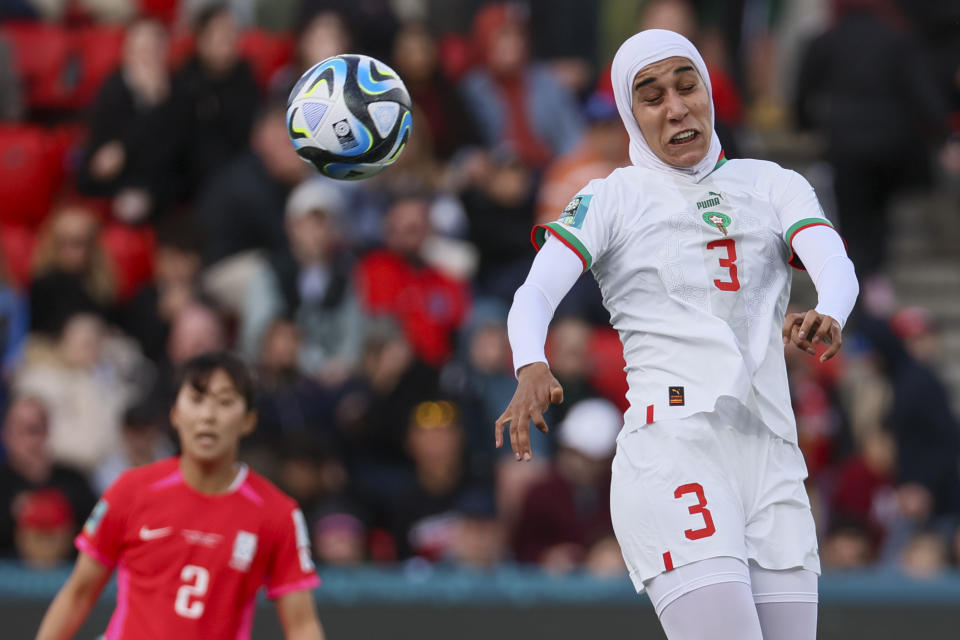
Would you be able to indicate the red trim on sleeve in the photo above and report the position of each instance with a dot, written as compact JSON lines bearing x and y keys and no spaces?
{"x":558,"y":237}
{"x":301,"y":585}
{"x":84,"y":545}
{"x":667,"y":561}
{"x":649,"y":413}
{"x":794,"y":259}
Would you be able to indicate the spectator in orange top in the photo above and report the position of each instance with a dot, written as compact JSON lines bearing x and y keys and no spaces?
{"x":602,"y":149}
{"x":395,"y":281}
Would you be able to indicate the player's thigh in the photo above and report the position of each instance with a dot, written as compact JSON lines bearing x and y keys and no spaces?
{"x":780,"y":530}
{"x":786,"y":602}
{"x":671,"y":500}
{"x":718,"y":610}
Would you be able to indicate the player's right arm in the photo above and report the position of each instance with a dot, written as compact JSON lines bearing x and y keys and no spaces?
{"x":74,"y":600}
{"x":554,"y":271}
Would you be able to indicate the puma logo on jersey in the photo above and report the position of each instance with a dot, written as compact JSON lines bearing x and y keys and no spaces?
{"x":676,"y":396}
{"x":713,"y":201}
{"x":153,"y":534}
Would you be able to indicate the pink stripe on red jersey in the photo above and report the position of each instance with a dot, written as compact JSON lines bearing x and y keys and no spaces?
{"x":246,"y":619}
{"x":307,"y":583}
{"x":174,"y":478}
{"x":119,"y":618}
{"x":82,"y":544}
{"x":247,"y":492}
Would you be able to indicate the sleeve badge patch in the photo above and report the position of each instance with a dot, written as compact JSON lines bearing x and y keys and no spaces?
{"x":93,"y":522}
{"x":574,"y":213}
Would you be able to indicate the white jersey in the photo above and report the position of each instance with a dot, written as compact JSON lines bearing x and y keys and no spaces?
{"x":696,"y":279}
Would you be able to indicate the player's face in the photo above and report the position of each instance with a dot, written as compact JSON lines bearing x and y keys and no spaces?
{"x":211,"y":421}
{"x":672,"y":109}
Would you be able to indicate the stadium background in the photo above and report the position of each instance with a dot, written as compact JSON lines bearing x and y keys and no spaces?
{"x":146,"y":215}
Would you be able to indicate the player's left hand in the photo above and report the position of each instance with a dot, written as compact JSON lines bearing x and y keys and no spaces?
{"x":805,"y":330}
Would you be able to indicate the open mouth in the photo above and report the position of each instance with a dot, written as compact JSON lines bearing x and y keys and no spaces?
{"x":205,"y":438}
{"x":684,"y":137}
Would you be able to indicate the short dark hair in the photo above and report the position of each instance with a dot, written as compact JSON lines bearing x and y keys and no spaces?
{"x":205,"y":16}
{"x":196,"y":372}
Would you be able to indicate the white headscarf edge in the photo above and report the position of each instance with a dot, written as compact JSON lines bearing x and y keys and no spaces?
{"x":634,"y":54}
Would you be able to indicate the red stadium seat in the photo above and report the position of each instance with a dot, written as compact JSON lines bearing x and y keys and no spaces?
{"x":46,"y":63}
{"x":31,"y":163}
{"x":607,"y":376}
{"x":131,"y":252}
{"x":100,"y":49}
{"x":266,"y":51}
{"x":16,"y":245}
{"x":181,"y":48}
{"x":163,"y":10}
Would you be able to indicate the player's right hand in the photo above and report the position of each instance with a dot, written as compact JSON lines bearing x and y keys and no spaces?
{"x":536,"y":390}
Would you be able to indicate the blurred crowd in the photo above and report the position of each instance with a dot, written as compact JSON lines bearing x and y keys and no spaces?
{"x":152,"y":208}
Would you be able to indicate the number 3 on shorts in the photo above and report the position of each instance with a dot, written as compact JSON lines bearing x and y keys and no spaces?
{"x":697,"y":509}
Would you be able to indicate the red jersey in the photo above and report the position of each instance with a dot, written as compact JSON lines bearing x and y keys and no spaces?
{"x":429,"y":305}
{"x":189,"y":565}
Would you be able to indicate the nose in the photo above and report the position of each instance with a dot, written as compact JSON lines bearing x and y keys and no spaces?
{"x":676,"y":107}
{"x":207,"y":410}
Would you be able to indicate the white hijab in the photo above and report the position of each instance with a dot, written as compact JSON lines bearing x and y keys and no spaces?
{"x":640,"y":50}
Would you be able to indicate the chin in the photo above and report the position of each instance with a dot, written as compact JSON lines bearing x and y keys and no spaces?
{"x":688,"y":159}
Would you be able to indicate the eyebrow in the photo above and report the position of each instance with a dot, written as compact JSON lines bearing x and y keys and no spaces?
{"x":676,"y":71}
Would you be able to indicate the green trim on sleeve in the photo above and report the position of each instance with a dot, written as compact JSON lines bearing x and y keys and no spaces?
{"x":539,"y":235}
{"x":797,"y":227}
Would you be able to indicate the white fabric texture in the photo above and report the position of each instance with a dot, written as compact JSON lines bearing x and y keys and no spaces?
{"x":825,"y":259}
{"x":638,"y":51}
{"x":784,"y":586}
{"x":788,"y":620}
{"x":554,"y":271}
{"x":723,"y":610}
{"x":750,"y":480}
{"x":667,"y":587}
{"x":783,"y":602}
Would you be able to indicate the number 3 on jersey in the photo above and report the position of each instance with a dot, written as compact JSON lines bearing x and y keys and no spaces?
{"x":196,"y":581}
{"x":728,"y":263}
{"x":708,"y":529}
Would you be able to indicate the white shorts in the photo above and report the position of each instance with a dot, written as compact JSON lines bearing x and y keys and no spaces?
{"x":707,"y":486}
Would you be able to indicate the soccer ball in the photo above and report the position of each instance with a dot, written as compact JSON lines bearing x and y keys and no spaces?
{"x":349,"y":116}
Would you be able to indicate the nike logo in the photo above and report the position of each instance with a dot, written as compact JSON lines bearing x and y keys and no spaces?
{"x":153,"y":534}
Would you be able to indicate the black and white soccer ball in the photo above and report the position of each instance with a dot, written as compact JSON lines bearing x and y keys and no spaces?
{"x":349,"y":116}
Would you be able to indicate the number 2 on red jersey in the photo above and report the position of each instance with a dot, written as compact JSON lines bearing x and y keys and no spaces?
{"x":196,"y":582}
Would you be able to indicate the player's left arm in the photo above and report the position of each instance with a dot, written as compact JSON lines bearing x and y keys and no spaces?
{"x":292,"y":574}
{"x":298,"y":616}
{"x":815,"y":246}
{"x":825,"y":259}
